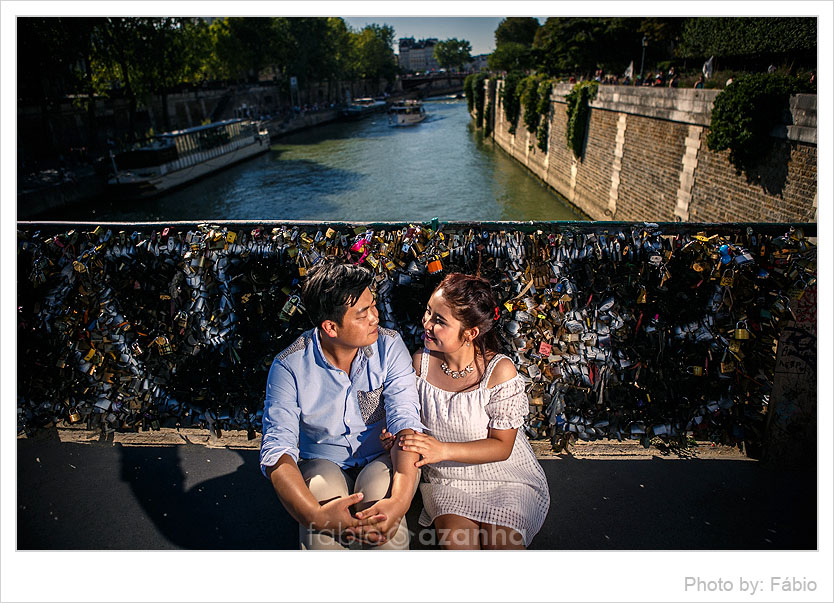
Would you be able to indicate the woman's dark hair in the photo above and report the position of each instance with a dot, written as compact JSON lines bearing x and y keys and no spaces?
{"x":473,"y":304}
{"x":331,"y":287}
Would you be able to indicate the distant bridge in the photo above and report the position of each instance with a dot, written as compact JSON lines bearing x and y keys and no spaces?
{"x":433,"y":83}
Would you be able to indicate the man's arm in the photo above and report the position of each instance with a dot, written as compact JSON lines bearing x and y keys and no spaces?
{"x":279,"y":452}
{"x":332,"y":516}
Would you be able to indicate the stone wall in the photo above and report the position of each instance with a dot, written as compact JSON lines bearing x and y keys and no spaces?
{"x":646,"y":158}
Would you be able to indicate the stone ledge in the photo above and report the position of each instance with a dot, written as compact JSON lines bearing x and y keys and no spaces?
{"x":238,"y":440}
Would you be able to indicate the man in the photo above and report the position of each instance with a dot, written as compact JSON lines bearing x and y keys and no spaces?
{"x":328,"y":397}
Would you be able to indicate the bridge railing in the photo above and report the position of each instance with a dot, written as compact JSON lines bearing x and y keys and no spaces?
{"x":664,"y":333}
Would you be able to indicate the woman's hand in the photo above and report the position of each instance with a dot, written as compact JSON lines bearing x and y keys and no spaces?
{"x":387,"y":439}
{"x":431,"y":449}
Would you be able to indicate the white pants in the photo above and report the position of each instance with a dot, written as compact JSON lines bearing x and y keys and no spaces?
{"x":326,"y":480}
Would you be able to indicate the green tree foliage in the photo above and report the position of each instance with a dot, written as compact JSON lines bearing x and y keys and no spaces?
{"x":569,"y":45}
{"x":453,"y":53}
{"x":578,"y":100}
{"x":480,"y":97}
{"x":469,"y":91}
{"x":510,"y":98}
{"x":747,"y":36}
{"x":511,"y":56}
{"x":516,"y":30}
{"x":373,"y":47}
{"x":543,"y":109}
{"x":744,"y":114}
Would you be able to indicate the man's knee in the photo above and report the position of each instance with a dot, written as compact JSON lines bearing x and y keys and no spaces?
{"x":325,"y":479}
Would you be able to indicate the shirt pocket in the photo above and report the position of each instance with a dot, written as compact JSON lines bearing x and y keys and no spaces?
{"x":371,"y":405}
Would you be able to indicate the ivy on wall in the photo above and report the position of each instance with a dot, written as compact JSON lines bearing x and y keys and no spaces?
{"x":488,"y":111}
{"x":577,"y":112}
{"x":543,"y":109}
{"x":745,"y":112}
{"x":480,"y":94}
{"x":510,"y":99}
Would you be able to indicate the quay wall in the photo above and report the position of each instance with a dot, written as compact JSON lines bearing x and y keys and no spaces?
{"x":646,"y":158}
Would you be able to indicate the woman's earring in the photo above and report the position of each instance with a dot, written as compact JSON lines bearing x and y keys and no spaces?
{"x":468,"y":343}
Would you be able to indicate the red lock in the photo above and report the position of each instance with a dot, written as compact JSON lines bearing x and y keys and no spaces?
{"x":544,"y":348}
{"x":434,"y":266}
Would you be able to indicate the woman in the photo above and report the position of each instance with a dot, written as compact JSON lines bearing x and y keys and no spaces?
{"x":482,"y":485}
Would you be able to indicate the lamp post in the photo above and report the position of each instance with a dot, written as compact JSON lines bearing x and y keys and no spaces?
{"x":643,"y":59}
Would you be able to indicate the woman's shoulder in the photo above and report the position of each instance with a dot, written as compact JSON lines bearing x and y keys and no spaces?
{"x":417,"y":361}
{"x":502,"y":371}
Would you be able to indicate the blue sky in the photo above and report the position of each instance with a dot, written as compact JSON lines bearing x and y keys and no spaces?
{"x":479,"y":31}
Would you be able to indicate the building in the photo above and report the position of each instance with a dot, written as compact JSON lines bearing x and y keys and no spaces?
{"x":417,"y":55}
{"x":478,"y":63}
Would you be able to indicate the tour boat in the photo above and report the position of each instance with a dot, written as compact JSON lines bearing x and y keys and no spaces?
{"x":361,"y":107}
{"x":175,"y":158}
{"x":406,"y":113}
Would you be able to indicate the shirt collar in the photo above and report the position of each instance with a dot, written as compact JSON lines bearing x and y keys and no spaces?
{"x":366,"y":353}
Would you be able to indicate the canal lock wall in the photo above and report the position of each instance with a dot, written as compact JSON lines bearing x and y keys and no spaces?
{"x":646,"y":158}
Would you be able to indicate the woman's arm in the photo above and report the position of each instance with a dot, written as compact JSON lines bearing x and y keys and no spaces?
{"x":497,"y":446}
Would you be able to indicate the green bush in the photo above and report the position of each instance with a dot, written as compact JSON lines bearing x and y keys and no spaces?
{"x":745,"y":112}
{"x":469,"y":91}
{"x":510,"y":99}
{"x":543,"y":109}
{"x":478,"y":89}
{"x":529,"y":97}
{"x":577,"y":112}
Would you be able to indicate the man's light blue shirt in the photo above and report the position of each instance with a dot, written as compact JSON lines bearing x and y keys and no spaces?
{"x":315,"y":410}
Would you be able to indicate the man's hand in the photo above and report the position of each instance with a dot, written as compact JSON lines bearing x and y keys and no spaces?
{"x":334,"y":516}
{"x":432,"y":450}
{"x":379,"y":532}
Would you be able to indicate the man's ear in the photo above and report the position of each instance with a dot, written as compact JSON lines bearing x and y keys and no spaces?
{"x":328,"y":327}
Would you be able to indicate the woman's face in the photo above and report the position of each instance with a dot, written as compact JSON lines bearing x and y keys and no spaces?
{"x":442,"y":330}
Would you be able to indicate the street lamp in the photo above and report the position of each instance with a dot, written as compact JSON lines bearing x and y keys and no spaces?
{"x":643,"y":60}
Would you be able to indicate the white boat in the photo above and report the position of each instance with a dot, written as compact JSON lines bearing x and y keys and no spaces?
{"x":361,"y":107}
{"x":175,"y":158}
{"x":406,"y":113}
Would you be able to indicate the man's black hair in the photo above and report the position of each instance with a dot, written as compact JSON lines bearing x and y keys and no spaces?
{"x":331,"y":288}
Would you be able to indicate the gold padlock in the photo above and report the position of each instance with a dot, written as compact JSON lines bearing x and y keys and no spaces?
{"x":728,"y":366}
{"x":728,"y":278}
{"x":741,"y":332}
{"x":74,"y":415}
{"x":641,"y":297}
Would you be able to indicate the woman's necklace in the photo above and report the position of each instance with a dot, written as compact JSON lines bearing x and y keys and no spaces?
{"x":458,"y":374}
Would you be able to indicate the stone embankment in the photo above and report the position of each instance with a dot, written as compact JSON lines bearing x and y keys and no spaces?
{"x":646,"y":158}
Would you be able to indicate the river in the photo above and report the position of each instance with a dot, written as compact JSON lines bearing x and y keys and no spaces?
{"x":359,"y":171}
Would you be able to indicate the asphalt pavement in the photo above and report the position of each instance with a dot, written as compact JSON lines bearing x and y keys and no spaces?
{"x":124,"y":495}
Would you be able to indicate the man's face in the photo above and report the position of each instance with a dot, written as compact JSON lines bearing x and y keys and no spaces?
{"x":359,"y":326}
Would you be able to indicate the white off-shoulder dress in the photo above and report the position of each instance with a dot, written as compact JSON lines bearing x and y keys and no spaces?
{"x":511,"y":493}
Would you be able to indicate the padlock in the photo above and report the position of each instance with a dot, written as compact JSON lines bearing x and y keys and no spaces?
{"x":727,"y":278}
{"x":741,"y":332}
{"x":290,"y":308}
{"x":164,"y":345}
{"x":74,"y":415}
{"x":434,"y":266}
{"x":697,"y":371}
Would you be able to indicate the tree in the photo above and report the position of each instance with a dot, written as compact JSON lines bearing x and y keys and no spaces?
{"x":374,"y":55}
{"x":753,"y":39}
{"x":517,"y":30}
{"x":511,"y":56}
{"x":453,"y":53}
{"x":569,"y":45}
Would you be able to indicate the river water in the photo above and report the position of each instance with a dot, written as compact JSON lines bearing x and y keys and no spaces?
{"x":359,"y":171}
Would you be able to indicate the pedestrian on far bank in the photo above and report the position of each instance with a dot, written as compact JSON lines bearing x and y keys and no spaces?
{"x":328,"y":397}
{"x":699,"y":83}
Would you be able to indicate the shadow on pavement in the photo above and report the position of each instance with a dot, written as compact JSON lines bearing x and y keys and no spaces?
{"x":105,"y":496}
